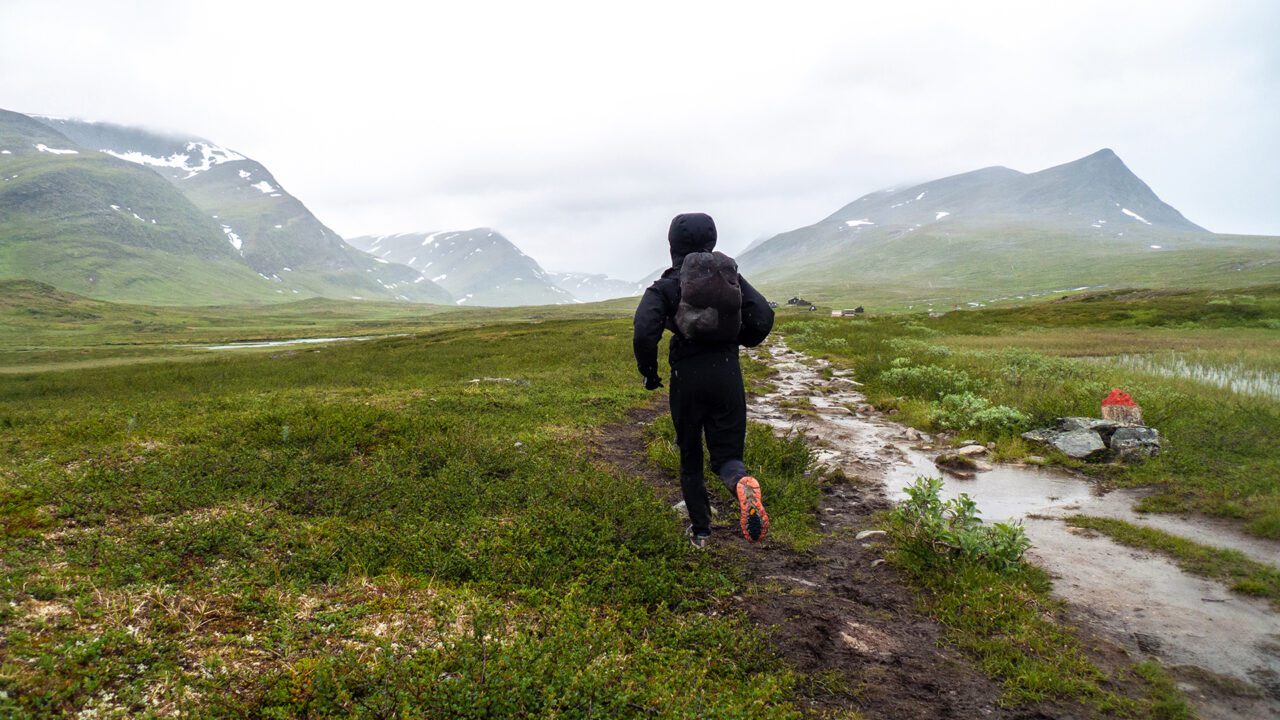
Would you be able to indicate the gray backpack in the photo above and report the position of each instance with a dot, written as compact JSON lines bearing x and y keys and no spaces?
{"x":710,"y":298}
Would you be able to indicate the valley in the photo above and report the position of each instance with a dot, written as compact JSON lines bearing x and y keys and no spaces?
{"x":220,"y":529}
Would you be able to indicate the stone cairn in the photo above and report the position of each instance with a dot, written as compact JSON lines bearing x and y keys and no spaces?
{"x":1120,"y":407}
{"x":1119,"y":435}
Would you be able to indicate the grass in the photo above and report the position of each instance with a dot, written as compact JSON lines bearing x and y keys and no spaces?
{"x":1243,"y":574}
{"x":993,"y":373}
{"x":786,"y":471}
{"x":42,"y":328}
{"x":362,"y":531}
{"x":1009,"y":623}
{"x":357,"y":531}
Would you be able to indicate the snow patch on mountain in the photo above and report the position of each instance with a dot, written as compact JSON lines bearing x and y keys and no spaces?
{"x":199,"y":157}
{"x":1135,"y":216}
{"x":55,"y":151}
{"x":233,"y":238}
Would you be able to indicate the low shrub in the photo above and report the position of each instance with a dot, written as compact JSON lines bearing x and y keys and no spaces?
{"x":929,"y":381}
{"x":931,"y":529}
{"x":966,"y":411}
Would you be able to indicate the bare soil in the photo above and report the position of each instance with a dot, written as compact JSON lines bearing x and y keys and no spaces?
{"x":836,"y":613}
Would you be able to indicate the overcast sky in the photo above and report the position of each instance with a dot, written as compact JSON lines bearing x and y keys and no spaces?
{"x":579,"y":129}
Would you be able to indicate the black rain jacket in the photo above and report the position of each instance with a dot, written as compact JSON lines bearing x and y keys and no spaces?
{"x":691,"y":232}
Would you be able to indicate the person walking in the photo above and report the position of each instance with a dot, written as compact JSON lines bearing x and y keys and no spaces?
{"x":710,"y":310}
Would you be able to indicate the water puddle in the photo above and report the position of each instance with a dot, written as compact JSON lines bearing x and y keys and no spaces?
{"x":285,"y":343}
{"x":1234,"y":377}
{"x":1138,"y":596}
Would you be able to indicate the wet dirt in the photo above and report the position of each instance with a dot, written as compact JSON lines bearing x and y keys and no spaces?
{"x":1227,"y":645}
{"x":835,"y":613}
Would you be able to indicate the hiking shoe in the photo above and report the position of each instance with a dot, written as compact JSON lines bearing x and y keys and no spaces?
{"x":754,"y":520}
{"x":699,"y":542}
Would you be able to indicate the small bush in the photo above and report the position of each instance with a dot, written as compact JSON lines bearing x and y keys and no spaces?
{"x":930,"y":381}
{"x":918,"y":349}
{"x":930,"y":528}
{"x":966,"y":411}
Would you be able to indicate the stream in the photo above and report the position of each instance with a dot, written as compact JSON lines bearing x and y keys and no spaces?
{"x":1141,"y":598}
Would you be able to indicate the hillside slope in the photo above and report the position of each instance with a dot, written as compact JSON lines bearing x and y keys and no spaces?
{"x":594,"y":287}
{"x":273,"y":233}
{"x":478,"y":266}
{"x":998,"y":233}
{"x":96,"y":225}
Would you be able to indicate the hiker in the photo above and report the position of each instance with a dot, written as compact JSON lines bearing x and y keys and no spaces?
{"x":710,"y":310}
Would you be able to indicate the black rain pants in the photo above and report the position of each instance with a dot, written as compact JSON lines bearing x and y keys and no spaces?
{"x":707,"y":398}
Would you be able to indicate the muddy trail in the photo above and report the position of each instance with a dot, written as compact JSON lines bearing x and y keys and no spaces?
{"x":1224,"y":648}
{"x":838,"y":609}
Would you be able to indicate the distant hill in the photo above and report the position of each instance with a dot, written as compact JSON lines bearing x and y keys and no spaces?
{"x":594,"y":287}
{"x":277,"y":236}
{"x":996,"y":234}
{"x":93,"y":224}
{"x":478,"y":266}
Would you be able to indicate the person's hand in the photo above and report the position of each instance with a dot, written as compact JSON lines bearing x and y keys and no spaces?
{"x":652,"y":383}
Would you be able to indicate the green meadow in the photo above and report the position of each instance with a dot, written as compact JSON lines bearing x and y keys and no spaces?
{"x":417,"y":524}
{"x":993,"y":374}
{"x":356,"y":530}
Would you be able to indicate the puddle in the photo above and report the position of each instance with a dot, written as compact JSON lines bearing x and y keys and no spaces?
{"x":283,"y":343}
{"x":1138,"y":596}
{"x":1234,"y":377}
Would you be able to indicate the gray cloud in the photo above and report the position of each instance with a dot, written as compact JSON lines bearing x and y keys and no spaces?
{"x":579,"y":128}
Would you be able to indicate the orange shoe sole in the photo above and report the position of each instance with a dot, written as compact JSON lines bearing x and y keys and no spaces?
{"x":753,"y":518}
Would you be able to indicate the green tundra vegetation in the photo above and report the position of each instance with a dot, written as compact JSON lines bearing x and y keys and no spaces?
{"x":413,"y":524}
{"x":994,"y":373}
{"x":417,"y":524}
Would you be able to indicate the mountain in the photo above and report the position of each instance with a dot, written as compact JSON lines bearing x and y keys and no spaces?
{"x":246,"y":210}
{"x":94,"y":224}
{"x":996,"y":233}
{"x":478,"y":267}
{"x":591,"y":287}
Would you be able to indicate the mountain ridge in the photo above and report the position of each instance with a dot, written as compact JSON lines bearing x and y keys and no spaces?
{"x":1080,"y":223}
{"x":479,"y":266}
{"x":242,"y":209}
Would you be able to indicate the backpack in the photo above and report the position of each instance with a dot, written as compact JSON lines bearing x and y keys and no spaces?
{"x":710,"y":299}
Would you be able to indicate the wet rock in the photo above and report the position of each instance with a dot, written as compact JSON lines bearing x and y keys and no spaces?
{"x":1079,"y":444}
{"x":972,"y":450}
{"x":793,"y":579}
{"x":1093,"y":439}
{"x":1148,"y":644}
{"x":956,"y":461}
{"x":1104,"y":428}
{"x":681,"y":508}
{"x":1135,"y":444}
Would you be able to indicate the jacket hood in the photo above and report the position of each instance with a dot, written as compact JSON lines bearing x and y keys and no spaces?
{"x":690,"y":233}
